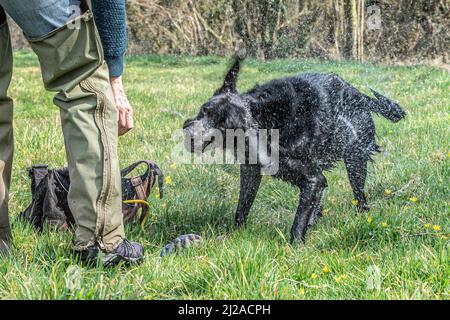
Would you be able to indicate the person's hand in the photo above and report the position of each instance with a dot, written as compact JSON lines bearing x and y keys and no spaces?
{"x":123,"y":106}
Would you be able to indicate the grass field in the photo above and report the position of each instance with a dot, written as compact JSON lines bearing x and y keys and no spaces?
{"x":405,"y":237}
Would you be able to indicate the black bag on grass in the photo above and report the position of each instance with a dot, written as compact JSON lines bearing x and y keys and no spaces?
{"x":50,"y":187}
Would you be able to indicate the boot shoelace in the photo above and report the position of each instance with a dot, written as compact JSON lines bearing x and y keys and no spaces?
{"x":127,"y":248}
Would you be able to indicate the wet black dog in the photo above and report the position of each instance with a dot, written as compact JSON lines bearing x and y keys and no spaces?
{"x":321,"y":119}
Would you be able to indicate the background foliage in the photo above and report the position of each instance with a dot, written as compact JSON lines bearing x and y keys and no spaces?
{"x":412,"y":30}
{"x":330,"y":29}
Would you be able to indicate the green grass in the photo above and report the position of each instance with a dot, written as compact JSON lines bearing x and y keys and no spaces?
{"x":255,"y":262}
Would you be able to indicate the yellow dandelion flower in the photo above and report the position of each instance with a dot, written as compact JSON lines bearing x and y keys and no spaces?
{"x":173,"y":166}
{"x":313,"y":276}
{"x":301,"y":291}
{"x":326,"y":269}
{"x":369,"y":219}
{"x":427,"y":226}
{"x":388,"y":192}
{"x":340,"y":278}
{"x":413,"y":199}
{"x":354,"y":202}
{"x":384,"y":224}
{"x":168,"y":180}
{"x":436,"y":228}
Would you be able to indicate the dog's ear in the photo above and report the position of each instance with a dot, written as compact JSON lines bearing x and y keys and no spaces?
{"x":229,"y":84}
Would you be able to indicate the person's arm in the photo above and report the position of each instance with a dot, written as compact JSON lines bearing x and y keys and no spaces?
{"x":110,"y":19}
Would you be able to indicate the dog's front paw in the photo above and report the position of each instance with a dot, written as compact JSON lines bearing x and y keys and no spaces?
{"x":239,"y":222}
{"x":296,"y":242}
{"x":363,"y":207}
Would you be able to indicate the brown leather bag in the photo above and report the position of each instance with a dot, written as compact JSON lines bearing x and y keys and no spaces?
{"x":49,"y":189}
{"x":138,"y":189}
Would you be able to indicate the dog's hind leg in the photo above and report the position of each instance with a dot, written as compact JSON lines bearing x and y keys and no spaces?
{"x":357,"y":172}
{"x":250,"y":181}
{"x":310,"y":196}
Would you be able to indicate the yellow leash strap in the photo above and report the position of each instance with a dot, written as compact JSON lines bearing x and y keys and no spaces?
{"x":144,"y":220}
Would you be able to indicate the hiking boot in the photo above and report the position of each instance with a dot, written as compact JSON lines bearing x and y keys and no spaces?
{"x":89,"y":256}
{"x":127,"y":252}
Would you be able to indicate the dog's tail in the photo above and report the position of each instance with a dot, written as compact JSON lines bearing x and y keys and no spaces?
{"x":386,"y":107}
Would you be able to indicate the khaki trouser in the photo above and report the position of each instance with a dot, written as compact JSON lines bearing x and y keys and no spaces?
{"x":72,"y":65}
{"x":6,"y":133}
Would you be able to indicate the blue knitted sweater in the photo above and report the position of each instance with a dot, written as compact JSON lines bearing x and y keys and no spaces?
{"x":110,"y":17}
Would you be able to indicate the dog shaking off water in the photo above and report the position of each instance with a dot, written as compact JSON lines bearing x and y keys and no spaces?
{"x":320,"y":118}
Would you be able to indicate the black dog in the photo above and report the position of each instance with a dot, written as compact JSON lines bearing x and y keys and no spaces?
{"x":321,"y":119}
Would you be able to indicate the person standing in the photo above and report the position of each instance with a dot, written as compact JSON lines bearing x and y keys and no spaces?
{"x":86,"y":78}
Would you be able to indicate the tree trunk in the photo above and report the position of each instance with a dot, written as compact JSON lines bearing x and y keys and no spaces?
{"x":354,"y":29}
